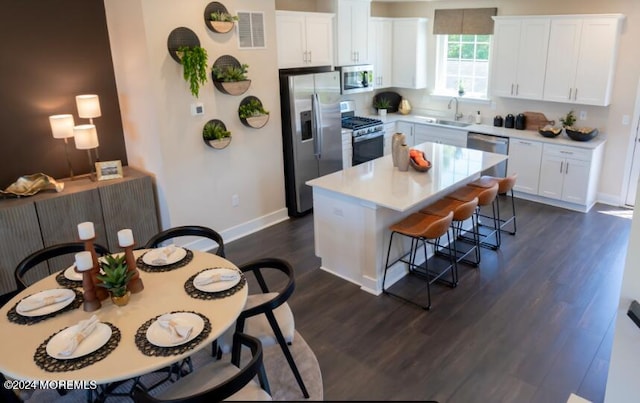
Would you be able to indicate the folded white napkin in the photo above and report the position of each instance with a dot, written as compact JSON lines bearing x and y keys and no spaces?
{"x":31,"y":304}
{"x":214,"y":278}
{"x":84,"y":329}
{"x":177,"y":331}
{"x":161,"y":255}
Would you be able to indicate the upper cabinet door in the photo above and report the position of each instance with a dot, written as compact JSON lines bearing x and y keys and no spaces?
{"x":380,"y":50}
{"x":520,"y":57}
{"x":353,"y":30}
{"x":582,"y":59}
{"x":409,"y":66}
{"x":319,"y":40}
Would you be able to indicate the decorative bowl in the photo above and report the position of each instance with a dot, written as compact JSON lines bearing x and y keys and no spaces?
{"x":418,"y":167}
{"x":582,"y":134}
{"x":549,"y":131}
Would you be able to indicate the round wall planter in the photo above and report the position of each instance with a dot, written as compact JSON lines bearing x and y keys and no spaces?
{"x":255,"y":122}
{"x":181,"y":36}
{"x":229,"y":87}
{"x":217,"y":144}
{"x":221,"y":27}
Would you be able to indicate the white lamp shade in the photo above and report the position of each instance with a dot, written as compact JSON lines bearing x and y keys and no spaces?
{"x":86,"y":137}
{"x":88,"y":106}
{"x":61,"y":126}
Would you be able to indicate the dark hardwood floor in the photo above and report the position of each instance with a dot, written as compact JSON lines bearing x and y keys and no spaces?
{"x":532,"y":324}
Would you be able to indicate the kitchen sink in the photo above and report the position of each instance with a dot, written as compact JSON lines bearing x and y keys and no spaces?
{"x":443,"y":122}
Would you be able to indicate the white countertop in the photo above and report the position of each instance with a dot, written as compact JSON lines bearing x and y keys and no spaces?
{"x":379,"y":182}
{"x":531,"y":135}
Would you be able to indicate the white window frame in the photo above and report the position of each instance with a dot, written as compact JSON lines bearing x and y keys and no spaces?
{"x":440,"y":77}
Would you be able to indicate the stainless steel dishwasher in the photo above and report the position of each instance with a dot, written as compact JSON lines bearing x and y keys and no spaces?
{"x":493,"y":144}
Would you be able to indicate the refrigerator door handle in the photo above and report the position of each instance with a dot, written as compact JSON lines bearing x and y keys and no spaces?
{"x":317,"y":125}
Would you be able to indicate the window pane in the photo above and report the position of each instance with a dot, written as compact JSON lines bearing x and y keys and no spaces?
{"x":467,"y":51}
{"x":482,"y":52}
{"x":454,"y":38}
{"x":463,"y":61}
{"x":483,"y":38}
{"x":468,"y":38}
{"x":454,"y":51}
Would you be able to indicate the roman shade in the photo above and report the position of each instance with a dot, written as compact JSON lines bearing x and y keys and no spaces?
{"x":466,"y":21}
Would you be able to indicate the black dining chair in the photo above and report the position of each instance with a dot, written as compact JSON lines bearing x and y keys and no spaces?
{"x":218,"y":380}
{"x":267,"y":314}
{"x":33,"y":261}
{"x":187,"y":230}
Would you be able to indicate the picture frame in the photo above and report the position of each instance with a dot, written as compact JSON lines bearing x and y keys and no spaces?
{"x":106,"y":170}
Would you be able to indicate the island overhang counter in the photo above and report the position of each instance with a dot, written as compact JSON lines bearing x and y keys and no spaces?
{"x":353,"y":208}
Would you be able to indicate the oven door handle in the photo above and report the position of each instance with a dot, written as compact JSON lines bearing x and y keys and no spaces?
{"x":316,"y":124}
{"x":368,"y":136}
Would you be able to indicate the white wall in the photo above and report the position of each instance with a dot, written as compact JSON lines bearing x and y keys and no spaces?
{"x":607,"y":119}
{"x":195,"y":182}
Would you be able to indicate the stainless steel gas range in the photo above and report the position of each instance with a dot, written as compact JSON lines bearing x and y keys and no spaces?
{"x":367,"y":136}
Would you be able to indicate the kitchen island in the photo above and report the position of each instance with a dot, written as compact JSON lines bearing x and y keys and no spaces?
{"x":353,"y":208}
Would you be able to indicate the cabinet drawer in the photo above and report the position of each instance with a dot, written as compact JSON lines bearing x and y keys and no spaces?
{"x":567,"y":152}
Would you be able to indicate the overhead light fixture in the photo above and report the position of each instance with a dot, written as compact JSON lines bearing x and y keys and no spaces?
{"x":62,"y":128}
{"x":86,"y":138}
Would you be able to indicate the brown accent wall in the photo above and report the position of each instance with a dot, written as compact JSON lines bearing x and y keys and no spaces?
{"x":53,"y":50}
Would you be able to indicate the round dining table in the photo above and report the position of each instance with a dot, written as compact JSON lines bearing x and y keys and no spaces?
{"x":164,"y":292}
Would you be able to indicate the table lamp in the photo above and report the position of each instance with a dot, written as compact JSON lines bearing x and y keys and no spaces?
{"x":88,"y":108}
{"x":62,"y":128}
{"x":86,"y":138}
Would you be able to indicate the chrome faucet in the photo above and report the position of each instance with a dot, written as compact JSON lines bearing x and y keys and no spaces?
{"x":457,"y":116}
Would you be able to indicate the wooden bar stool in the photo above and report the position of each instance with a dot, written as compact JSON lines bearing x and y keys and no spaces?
{"x":423,"y":228}
{"x":462,"y":211}
{"x":486,"y":197}
{"x":505,"y":187}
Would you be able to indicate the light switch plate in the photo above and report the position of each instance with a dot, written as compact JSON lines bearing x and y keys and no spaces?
{"x":197,"y":109}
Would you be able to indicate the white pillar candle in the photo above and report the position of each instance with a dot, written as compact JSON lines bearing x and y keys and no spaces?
{"x":84,"y":261}
{"x":86,"y":230}
{"x":125,"y":237}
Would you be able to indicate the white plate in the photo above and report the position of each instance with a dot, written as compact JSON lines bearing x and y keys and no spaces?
{"x":98,"y":338}
{"x":218,"y":285}
{"x":45,"y":310}
{"x":177,"y":255}
{"x":72,"y":274}
{"x":159,"y":336}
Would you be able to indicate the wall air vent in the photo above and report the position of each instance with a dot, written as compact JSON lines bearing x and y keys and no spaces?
{"x":251,"y":30}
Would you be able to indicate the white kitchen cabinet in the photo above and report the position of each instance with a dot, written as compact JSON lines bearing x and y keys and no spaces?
{"x":581,"y":59}
{"x":565,"y":174}
{"x":389,"y":130}
{"x":524,"y":160}
{"x":352,"y":29}
{"x":406,"y":128}
{"x":380,"y":50}
{"x":347,"y":149}
{"x":304,"y":39}
{"x":441,"y":135}
{"x":409,"y":65}
{"x":520,"y":56}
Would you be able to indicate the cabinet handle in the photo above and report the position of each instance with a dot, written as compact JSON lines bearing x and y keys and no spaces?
{"x":511,"y":88}
{"x":570,"y":90}
{"x":524,"y":142}
{"x":575,"y":94}
{"x":561,"y":166}
{"x":310,"y":57}
{"x":517,"y":88}
{"x":566,"y":152}
{"x":567,"y":168}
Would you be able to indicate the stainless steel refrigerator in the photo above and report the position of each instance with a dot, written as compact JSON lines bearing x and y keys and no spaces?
{"x":311,"y":131}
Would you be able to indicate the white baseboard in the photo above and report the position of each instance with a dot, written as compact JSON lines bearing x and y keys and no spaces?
{"x":609,"y":199}
{"x":241,"y":230}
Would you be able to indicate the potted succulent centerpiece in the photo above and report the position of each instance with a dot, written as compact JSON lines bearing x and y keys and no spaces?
{"x":382,"y":104}
{"x":252,"y":113}
{"x":231,"y":78}
{"x":115,"y":278}
{"x":194,"y":66}
{"x":215,"y":134}
{"x":221,"y":21}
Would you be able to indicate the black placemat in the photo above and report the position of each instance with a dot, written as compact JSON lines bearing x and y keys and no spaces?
{"x":65,"y":282}
{"x":168,"y":267}
{"x":193,"y":292}
{"x":51,"y":364}
{"x":149,"y":349}
{"x":15,"y":317}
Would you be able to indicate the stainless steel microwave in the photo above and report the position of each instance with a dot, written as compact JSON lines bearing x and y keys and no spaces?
{"x":354,"y":79}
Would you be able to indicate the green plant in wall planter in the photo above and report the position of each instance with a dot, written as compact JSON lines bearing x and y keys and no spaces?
{"x":252,"y":113}
{"x":231,"y":79}
{"x":194,"y":66}
{"x":221,"y":21}
{"x":215,"y":134}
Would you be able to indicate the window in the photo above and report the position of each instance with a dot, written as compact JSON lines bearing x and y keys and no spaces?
{"x":463,"y":62}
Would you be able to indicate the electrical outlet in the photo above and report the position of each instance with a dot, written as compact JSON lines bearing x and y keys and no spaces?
{"x":197,"y":109}
{"x":235,"y":200}
{"x":583,"y":115}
